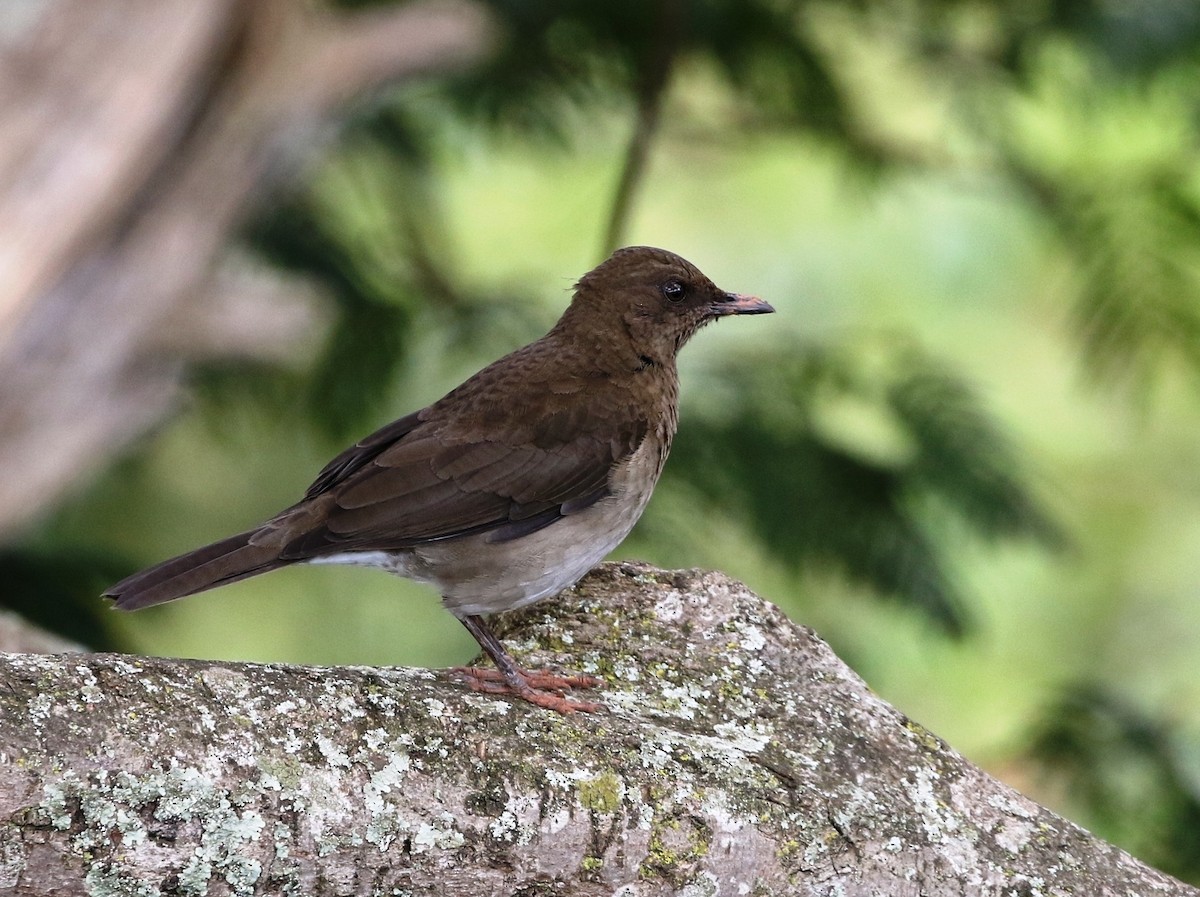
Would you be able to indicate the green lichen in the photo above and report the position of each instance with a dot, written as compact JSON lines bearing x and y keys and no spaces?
{"x":661,"y":861}
{"x":119,"y":811}
{"x":103,"y":880}
{"x":674,"y":849}
{"x":924,"y":737}
{"x":789,"y":851}
{"x":602,"y":794}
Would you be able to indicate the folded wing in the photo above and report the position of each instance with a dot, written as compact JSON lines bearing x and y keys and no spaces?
{"x":417,"y":481}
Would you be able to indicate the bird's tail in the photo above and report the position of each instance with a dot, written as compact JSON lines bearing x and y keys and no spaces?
{"x":229,"y":560}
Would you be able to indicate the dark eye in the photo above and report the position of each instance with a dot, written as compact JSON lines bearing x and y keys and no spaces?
{"x":673,"y":290}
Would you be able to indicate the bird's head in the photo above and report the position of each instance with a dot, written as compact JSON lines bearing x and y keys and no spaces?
{"x":653,"y":299}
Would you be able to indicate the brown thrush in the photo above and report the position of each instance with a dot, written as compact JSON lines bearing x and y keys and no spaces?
{"x":512,"y":486}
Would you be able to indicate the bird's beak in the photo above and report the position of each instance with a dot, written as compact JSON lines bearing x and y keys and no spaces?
{"x":737,"y":304}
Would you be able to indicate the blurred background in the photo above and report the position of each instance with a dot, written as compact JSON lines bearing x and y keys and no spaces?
{"x":236,"y":236}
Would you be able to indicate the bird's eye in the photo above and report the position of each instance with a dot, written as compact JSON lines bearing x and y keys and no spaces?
{"x":673,"y":290}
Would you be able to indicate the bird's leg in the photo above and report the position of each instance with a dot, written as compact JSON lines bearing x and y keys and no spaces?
{"x":536,"y":686}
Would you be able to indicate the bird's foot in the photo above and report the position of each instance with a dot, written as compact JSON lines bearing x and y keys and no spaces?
{"x":540,"y":687}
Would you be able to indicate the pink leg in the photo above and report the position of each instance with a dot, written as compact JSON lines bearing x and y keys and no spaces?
{"x":540,"y":687}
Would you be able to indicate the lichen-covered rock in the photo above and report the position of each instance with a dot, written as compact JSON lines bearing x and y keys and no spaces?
{"x":736,"y":756}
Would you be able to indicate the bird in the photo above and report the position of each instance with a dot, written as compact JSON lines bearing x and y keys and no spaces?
{"x":511,"y":487}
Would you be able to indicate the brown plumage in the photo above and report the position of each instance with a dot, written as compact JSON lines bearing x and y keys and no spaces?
{"x":512,"y":486}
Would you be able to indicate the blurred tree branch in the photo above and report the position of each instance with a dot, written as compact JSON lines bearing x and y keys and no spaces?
{"x":736,"y":755}
{"x":136,"y":138}
{"x":658,"y":59}
{"x":19,"y":636}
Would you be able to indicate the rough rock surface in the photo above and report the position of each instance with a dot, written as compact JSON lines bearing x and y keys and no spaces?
{"x":737,"y":755}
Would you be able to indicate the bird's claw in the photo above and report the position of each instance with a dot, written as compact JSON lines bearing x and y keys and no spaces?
{"x":539,"y":687}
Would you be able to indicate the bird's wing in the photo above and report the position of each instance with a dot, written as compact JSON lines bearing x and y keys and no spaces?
{"x":419,"y":481}
{"x":362,"y":453}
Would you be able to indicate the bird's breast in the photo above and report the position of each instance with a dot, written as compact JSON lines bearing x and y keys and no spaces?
{"x":480,"y":577}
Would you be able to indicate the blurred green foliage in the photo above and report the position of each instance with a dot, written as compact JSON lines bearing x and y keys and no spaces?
{"x":820,"y":493}
{"x":1128,"y":767}
{"x":1039,"y":164}
{"x":40,"y":584}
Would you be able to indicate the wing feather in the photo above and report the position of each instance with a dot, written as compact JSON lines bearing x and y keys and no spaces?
{"x":419,"y":481}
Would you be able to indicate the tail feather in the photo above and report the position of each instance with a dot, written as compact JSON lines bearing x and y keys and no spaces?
{"x":205,"y":568}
